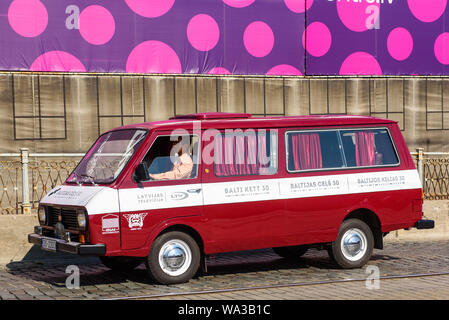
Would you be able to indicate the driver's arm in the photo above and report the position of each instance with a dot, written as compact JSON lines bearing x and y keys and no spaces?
{"x":181,"y":170}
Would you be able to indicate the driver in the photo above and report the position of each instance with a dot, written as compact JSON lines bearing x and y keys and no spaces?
{"x":182,"y":168}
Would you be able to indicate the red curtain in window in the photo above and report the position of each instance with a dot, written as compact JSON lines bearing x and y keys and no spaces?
{"x":219,"y":156}
{"x":251,"y":155}
{"x":239,"y":154}
{"x":306,"y":149}
{"x":364,"y":148}
{"x":229,"y":152}
{"x":264,"y":161}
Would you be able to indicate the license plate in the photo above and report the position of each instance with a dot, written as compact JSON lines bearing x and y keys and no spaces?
{"x":48,"y":244}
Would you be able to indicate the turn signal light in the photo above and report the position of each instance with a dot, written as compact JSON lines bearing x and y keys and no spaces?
{"x":82,"y":239}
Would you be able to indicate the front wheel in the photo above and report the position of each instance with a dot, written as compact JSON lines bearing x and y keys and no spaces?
{"x":174,"y":258}
{"x":354,"y":245}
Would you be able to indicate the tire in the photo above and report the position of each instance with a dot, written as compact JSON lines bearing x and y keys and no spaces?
{"x":293,"y":252}
{"x":174,"y":258}
{"x":354,"y":245}
{"x":121,"y":263}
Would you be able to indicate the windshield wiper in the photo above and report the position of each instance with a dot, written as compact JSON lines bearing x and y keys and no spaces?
{"x":92,"y":180}
{"x":75,"y":176}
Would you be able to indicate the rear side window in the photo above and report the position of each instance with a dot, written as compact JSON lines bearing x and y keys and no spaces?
{"x":334,"y":149}
{"x":313,"y":150}
{"x":367,"y":148}
{"x":245,"y":153}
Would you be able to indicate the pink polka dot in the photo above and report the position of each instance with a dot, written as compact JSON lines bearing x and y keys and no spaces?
{"x":28,"y":18}
{"x":427,"y":11}
{"x":150,"y":8}
{"x":319,"y":39}
{"x":219,"y":70}
{"x":284,"y":70}
{"x":203,"y":32}
{"x":360,"y":63}
{"x":258,"y":39}
{"x":358,"y":17}
{"x":57,"y":61}
{"x":298,"y":6}
{"x":153,"y":57}
{"x":441,"y":48}
{"x":400,"y":44}
{"x":96,"y":25}
{"x":238,"y":3}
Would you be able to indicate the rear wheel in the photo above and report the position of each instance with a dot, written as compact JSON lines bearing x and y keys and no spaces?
{"x":354,"y":245}
{"x":121,"y":263}
{"x":174,"y":258}
{"x":292,"y":252}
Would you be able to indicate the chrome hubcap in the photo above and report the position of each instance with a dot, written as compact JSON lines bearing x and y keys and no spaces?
{"x":175,"y":257}
{"x":354,"y":244}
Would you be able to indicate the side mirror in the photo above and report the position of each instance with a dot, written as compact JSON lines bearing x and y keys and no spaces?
{"x":141,"y":172}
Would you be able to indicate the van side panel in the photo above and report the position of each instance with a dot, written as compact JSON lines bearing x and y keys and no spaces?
{"x":244,"y":226}
{"x":390,"y":194}
{"x":244,"y":212}
{"x":313,"y":203}
{"x":252,"y":212}
{"x":303,"y":220}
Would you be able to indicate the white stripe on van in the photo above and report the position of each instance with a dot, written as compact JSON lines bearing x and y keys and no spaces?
{"x":149,"y":198}
{"x":306,"y":187}
{"x":100,"y":200}
{"x":265,"y":189}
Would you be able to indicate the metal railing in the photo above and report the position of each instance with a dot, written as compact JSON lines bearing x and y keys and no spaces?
{"x":433,"y":169}
{"x":26,"y":177}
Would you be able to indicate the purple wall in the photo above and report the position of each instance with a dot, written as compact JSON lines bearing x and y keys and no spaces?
{"x":409,"y":37}
{"x":226,"y":36}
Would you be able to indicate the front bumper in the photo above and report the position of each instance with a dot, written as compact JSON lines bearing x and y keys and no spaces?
{"x":425,"y":224}
{"x":70,"y":247}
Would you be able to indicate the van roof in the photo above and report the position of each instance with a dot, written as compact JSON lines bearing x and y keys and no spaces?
{"x":221,"y":120}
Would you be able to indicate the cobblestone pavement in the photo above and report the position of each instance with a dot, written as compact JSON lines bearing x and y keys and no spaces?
{"x":423,"y":288}
{"x":244,"y":275}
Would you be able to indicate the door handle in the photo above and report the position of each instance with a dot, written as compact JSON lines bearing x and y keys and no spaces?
{"x":194,"y":190}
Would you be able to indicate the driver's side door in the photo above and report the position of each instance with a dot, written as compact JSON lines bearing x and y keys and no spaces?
{"x":148,"y":204}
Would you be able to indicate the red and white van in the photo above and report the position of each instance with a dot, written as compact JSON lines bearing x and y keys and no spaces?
{"x":172,"y":192}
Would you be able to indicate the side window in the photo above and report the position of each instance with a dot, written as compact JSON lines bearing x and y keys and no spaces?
{"x":172,"y":158}
{"x":246,"y":153}
{"x":371,"y":147}
{"x":313,"y":150}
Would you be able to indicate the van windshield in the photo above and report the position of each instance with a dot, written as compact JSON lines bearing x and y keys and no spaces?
{"x":108,"y":156}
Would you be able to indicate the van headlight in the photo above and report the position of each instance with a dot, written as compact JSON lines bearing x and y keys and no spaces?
{"x":81,"y":217}
{"x":42,"y":215}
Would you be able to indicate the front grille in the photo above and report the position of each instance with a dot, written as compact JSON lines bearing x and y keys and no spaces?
{"x":68,"y":217}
